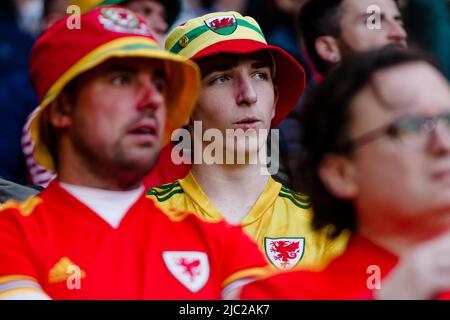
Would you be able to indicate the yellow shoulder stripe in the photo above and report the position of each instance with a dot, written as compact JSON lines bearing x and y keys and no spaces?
{"x":15,"y":277}
{"x":298,"y":199}
{"x":25,"y":208}
{"x":8,"y":293}
{"x":256,"y":273}
{"x":166,"y":191}
{"x":176,"y":215}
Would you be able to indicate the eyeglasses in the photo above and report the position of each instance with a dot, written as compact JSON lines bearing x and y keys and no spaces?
{"x":409,"y":131}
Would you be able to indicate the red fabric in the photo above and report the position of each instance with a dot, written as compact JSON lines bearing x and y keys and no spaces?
{"x":59,"y":47}
{"x":165,"y":171}
{"x":346,"y":277}
{"x":122,"y":263}
{"x":443,"y":296}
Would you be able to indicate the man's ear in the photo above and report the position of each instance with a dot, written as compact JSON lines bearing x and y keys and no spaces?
{"x":338,"y":174}
{"x":60,"y":112}
{"x":276,"y":92}
{"x":327,"y":48}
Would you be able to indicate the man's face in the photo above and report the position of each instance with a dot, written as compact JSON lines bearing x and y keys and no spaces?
{"x":154,"y":14}
{"x":237,"y":93}
{"x":407,"y":175}
{"x":355,"y":33}
{"x":118,"y":118}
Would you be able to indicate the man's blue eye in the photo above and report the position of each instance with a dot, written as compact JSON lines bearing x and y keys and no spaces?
{"x":121,"y":80}
{"x":219,"y":79}
{"x":262,"y":75}
{"x":161,"y":85}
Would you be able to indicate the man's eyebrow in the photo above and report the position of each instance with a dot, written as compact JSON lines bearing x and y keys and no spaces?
{"x":260,"y":64}
{"x":160,"y":73}
{"x":122,"y":68}
{"x":365,"y":15}
{"x":222,"y":66}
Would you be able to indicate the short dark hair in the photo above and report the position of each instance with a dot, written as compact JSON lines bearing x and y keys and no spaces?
{"x":319,"y":18}
{"x":325,"y":119}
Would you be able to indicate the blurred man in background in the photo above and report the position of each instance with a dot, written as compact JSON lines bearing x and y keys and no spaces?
{"x":335,"y":29}
{"x":377,"y":163}
{"x":159,"y":14}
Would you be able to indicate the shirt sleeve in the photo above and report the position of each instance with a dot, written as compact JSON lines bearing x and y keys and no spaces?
{"x":18,"y":277}
{"x":280,"y":286}
{"x":242,"y":261}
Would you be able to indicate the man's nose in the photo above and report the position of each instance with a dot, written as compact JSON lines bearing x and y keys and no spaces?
{"x":160,"y":25}
{"x":150,"y":96}
{"x":440,"y":139}
{"x":157,"y":24}
{"x":245,"y":91}
{"x":396,"y":32}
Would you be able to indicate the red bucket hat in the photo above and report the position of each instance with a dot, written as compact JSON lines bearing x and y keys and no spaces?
{"x":230,"y":32}
{"x":61,"y":54}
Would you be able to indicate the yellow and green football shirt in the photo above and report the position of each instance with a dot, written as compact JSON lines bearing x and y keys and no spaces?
{"x":279,"y":222}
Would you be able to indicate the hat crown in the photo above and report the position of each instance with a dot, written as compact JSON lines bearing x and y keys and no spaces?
{"x":63,"y":45}
{"x":196,"y":34}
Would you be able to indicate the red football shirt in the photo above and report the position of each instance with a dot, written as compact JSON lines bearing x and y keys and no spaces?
{"x":55,"y":243}
{"x":352,"y":275}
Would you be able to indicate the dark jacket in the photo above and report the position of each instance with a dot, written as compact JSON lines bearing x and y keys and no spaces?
{"x":12,"y":191}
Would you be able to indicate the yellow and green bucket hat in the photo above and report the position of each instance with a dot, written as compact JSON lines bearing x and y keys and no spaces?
{"x":230,"y":32}
{"x":62,"y":54}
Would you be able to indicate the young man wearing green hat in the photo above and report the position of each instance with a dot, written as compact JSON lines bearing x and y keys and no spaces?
{"x":108,"y":98}
{"x":248,"y":87}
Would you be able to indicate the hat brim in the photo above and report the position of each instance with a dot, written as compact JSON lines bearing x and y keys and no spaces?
{"x":289,"y":75}
{"x":183,"y":79}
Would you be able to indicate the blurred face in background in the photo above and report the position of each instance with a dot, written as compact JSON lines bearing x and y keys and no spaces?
{"x":356,"y":36}
{"x":30,"y":14}
{"x":53,"y":11}
{"x":290,"y":6}
{"x":398,"y":173}
{"x":363,"y":25}
{"x":153,"y":12}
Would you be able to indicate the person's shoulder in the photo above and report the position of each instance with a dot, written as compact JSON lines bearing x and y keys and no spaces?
{"x":20,"y":209}
{"x":282,"y":285}
{"x":13,"y":191}
{"x":294,"y":199}
{"x":165,"y":192}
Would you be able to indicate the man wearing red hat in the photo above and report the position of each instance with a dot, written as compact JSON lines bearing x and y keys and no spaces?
{"x":159,"y":15}
{"x":248,"y":87}
{"x":108,"y":98}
